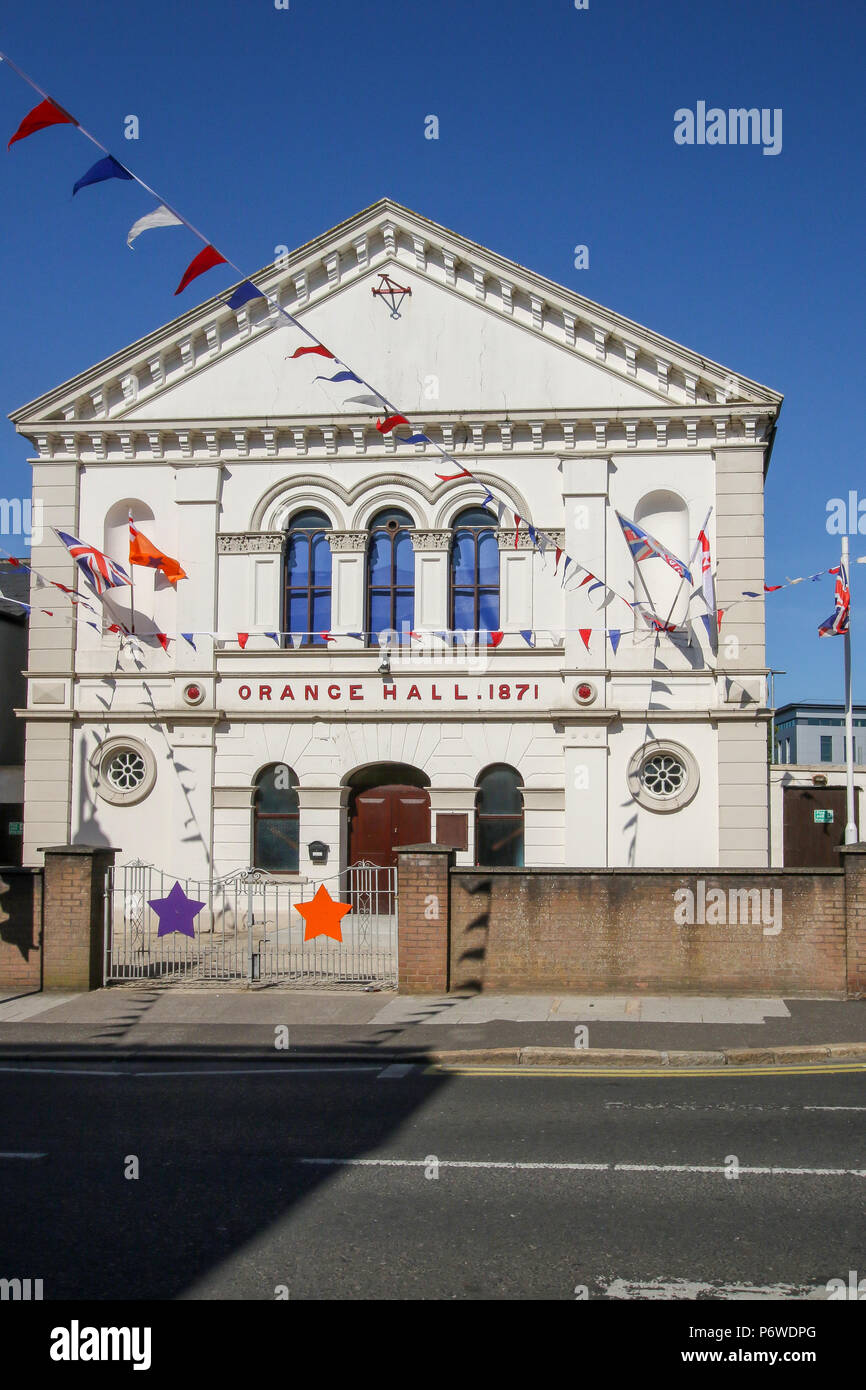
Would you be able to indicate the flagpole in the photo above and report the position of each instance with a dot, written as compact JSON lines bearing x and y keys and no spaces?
{"x":131,"y":583}
{"x":692,"y":559}
{"x":851,"y":824}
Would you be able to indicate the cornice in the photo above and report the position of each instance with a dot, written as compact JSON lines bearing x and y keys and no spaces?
{"x":519,"y":432}
{"x":387,"y":233}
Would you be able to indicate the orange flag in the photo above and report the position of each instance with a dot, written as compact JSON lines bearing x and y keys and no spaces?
{"x":143,"y":552}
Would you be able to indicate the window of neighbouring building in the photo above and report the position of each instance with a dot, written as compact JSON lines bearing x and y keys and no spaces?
{"x":307,"y":571}
{"x":826,"y":748}
{"x":499,"y":818}
{"x":276,"y":820}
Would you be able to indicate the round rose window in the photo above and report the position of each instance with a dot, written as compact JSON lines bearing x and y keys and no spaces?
{"x":663,"y":775}
{"x":126,"y":770}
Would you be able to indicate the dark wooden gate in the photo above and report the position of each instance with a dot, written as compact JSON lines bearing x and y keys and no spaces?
{"x":811,"y":842}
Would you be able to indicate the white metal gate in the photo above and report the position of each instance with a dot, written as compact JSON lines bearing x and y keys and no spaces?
{"x":248,"y":929}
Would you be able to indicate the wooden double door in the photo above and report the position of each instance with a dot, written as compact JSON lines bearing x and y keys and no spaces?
{"x":381,"y":818}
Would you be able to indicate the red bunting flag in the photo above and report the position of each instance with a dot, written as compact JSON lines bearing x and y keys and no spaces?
{"x":45,"y":114}
{"x":517,"y":532}
{"x":586,"y":580}
{"x":318,"y":350}
{"x":326,"y":637}
{"x":205,"y":260}
{"x":586,"y":633}
{"x":162,"y":638}
{"x":720,"y":613}
{"x":385,"y":426}
{"x":558,"y":558}
{"x":495,"y":638}
{"x":451,"y":477}
{"x":243,"y":638}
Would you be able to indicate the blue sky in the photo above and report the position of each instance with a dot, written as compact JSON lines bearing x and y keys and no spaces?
{"x":268,"y":126}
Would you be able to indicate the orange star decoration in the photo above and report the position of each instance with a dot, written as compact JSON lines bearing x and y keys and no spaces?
{"x":323,"y":915}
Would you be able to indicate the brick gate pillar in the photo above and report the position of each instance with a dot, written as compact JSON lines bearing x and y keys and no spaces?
{"x":423,"y":908}
{"x":854,"y":863}
{"x":73,"y":916}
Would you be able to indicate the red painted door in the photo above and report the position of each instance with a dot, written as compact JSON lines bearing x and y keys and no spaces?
{"x":384,"y":817}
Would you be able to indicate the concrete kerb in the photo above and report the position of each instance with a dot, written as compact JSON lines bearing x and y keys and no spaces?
{"x":610,"y":1058}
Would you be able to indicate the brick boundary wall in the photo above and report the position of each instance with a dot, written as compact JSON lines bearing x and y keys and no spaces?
{"x":73,"y":906}
{"x":422,"y":918}
{"x":20,"y":929}
{"x":614,"y":930}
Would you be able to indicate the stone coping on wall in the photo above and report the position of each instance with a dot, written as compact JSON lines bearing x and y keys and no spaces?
{"x":558,"y":870}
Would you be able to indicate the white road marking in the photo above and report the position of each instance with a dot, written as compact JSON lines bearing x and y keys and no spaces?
{"x":835,"y":1107}
{"x":652,"y":1289}
{"x":395,"y":1071}
{"x":774,"y":1171}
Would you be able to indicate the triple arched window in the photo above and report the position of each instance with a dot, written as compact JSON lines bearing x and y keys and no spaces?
{"x":276,"y":820}
{"x":473,"y":577}
{"x":499,"y":818}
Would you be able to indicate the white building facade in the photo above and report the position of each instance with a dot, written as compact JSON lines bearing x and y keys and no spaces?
{"x":564,"y":744}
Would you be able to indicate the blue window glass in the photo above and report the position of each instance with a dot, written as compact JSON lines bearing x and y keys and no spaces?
{"x":390,"y":576}
{"x":307,"y":597}
{"x":474,"y":572}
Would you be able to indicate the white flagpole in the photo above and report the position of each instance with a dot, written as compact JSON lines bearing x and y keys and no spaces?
{"x":131,"y":581}
{"x":851,"y":824}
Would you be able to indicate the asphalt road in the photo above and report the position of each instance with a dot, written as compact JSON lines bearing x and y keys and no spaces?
{"x":630,"y":1197}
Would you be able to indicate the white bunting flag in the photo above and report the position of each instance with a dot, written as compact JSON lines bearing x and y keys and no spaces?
{"x":160,"y":218}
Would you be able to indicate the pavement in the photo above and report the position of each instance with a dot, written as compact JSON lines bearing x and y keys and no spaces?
{"x":285,"y":1023}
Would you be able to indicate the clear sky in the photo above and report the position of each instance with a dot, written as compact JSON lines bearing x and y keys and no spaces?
{"x":269,"y":126}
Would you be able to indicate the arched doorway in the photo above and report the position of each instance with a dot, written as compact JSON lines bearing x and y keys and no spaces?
{"x":389,"y":805}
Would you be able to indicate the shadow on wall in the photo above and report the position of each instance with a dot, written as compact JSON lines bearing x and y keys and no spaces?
{"x":16,"y":910}
{"x":469,"y":955}
{"x":89,"y":830}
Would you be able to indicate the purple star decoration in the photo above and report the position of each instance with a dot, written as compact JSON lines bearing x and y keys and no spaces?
{"x":176,"y":912}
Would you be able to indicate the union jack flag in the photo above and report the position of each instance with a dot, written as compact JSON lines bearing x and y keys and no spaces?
{"x":643,"y":546}
{"x":837,"y":623}
{"x":653,"y":621}
{"x":100,"y":572}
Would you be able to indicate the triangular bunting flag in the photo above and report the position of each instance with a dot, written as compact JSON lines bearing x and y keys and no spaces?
{"x":586,"y":633}
{"x":163,"y":640}
{"x":317,"y":349}
{"x":161,"y":217}
{"x":274,"y":636}
{"x":614,"y":636}
{"x":45,"y":114}
{"x":243,"y":294}
{"x":528,"y":636}
{"x":494,"y":638}
{"x":188,"y":637}
{"x":243,"y":638}
{"x":107,"y":168}
{"x":206,"y":259}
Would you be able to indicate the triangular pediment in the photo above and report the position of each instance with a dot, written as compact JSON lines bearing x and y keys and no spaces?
{"x":478,"y":334}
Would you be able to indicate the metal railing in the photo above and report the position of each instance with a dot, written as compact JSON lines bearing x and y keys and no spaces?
{"x":248,"y":929}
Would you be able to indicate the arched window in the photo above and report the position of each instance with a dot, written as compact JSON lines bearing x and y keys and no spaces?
{"x":276,"y":820}
{"x":307,"y":601}
{"x":499,"y":818}
{"x":657,"y":587}
{"x":474,"y":572}
{"x":390,"y":576}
